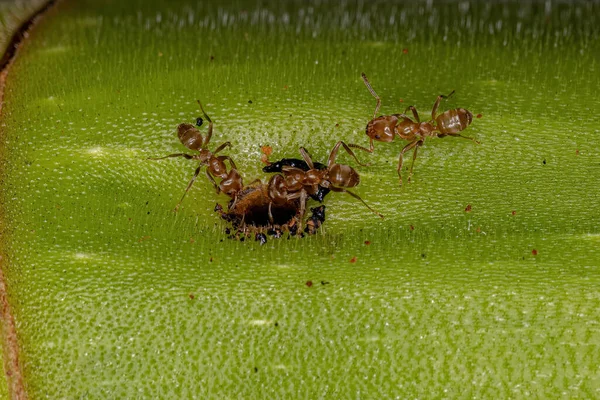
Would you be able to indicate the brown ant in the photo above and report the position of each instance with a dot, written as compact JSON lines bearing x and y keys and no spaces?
{"x":385,"y":127}
{"x":190,"y":137}
{"x":294,"y":162}
{"x":297,"y":184}
{"x":250,"y":210}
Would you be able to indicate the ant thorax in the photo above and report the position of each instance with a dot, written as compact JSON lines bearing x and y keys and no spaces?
{"x":382,"y":128}
{"x":314,"y":176}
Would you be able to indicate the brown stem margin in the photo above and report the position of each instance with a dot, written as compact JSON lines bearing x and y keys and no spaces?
{"x":10,"y":342}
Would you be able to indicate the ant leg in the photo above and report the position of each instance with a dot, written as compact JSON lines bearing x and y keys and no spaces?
{"x":466,"y":137}
{"x":307,"y":158}
{"x":221,"y":147}
{"x":212,"y":180}
{"x":301,"y":195}
{"x":303,"y":199}
{"x":349,"y":151}
{"x":419,"y":144}
{"x":254,"y":182}
{"x":334,"y":152}
{"x":414,"y":112}
{"x":368,"y":85}
{"x":336,"y":189}
{"x":189,"y":186}
{"x":437,"y":103}
{"x":271,"y":220}
{"x":235,"y":198}
{"x":186,"y":156}
{"x":369,"y":150}
{"x":210,"y":126}
{"x":401,"y":158}
{"x":223,"y":158}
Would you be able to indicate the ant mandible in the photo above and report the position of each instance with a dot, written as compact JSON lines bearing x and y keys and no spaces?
{"x":385,"y":127}
{"x":296,"y":183}
{"x":190,"y":137}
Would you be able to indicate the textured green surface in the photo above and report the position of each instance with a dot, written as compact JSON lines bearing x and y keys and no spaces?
{"x":12,"y":15}
{"x":101,"y":271}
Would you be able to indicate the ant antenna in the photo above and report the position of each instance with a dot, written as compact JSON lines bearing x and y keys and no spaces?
{"x":447,"y":97}
{"x":358,"y":197}
{"x":368,"y":85}
{"x":204,"y":113}
{"x":337,"y":189}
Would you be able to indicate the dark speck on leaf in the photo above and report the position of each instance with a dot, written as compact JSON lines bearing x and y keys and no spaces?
{"x":261,"y":237}
{"x":249,"y":101}
{"x":544,"y":162}
{"x":309,"y":283}
{"x":255,"y":369}
{"x":423,"y":255}
{"x":199,"y":121}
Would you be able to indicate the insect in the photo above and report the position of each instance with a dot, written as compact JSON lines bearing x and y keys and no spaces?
{"x":385,"y":127}
{"x":277,"y":166}
{"x":190,"y":137}
{"x":296,"y":183}
{"x":251,"y":211}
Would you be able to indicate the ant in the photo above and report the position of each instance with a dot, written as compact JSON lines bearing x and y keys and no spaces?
{"x":296,"y":183}
{"x":385,"y":127}
{"x":190,"y":137}
{"x":277,"y":166}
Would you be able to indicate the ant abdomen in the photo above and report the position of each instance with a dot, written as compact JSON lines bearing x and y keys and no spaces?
{"x":453,"y":121}
{"x":189,"y":136}
{"x":343,"y":175}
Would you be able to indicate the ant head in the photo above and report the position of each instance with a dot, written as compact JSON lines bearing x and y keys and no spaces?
{"x":189,"y":136}
{"x":382,"y":128}
{"x":342,"y":175}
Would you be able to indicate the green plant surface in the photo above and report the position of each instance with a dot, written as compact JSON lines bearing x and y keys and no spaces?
{"x":116,"y":296}
{"x":12,"y":15}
